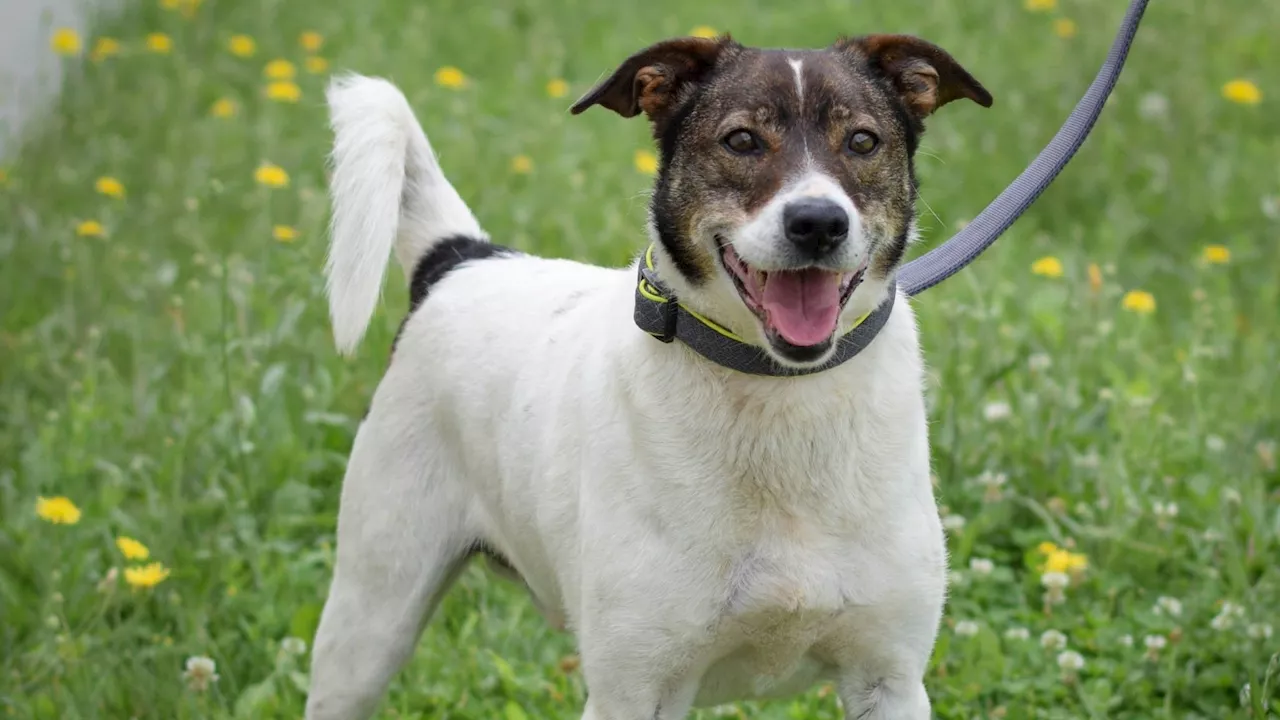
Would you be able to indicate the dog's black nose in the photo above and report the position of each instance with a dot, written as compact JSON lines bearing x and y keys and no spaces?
{"x":815,"y":225}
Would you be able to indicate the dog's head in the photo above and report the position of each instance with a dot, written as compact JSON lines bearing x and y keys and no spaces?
{"x":786,"y":192}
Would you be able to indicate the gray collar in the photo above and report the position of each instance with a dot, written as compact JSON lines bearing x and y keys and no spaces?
{"x":659,"y":313}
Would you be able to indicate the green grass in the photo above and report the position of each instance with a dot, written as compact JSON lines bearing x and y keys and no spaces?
{"x":177,"y":381}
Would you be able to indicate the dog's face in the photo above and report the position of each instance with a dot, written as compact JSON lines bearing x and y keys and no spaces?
{"x":786,"y":180}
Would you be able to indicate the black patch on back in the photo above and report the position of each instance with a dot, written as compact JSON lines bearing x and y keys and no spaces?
{"x":444,"y":257}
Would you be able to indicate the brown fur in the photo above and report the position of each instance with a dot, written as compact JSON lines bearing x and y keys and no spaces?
{"x":696,"y":91}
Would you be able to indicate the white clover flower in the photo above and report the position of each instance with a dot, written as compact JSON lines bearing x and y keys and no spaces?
{"x":1040,"y":361}
{"x":293,"y":646}
{"x":1227,"y":616}
{"x":1053,"y":640}
{"x":1168,"y":605}
{"x":1153,"y":106}
{"x":966,"y":628}
{"x":1259,"y":631}
{"x":1154,"y":644}
{"x":953,"y":523}
{"x":1215,"y":443}
{"x":201,"y":672}
{"x":955,"y":578}
{"x":1126,"y":641}
{"x":1017,"y":633}
{"x":981,"y":566}
{"x":1070,"y":661}
{"x":996,"y":411}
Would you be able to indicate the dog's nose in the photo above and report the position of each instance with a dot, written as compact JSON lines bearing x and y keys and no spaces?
{"x":815,"y":225}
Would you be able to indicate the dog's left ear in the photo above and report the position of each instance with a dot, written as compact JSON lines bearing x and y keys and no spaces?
{"x":652,"y":79}
{"x":924,"y":74}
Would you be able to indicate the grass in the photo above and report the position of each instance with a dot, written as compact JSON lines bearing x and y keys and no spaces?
{"x":175,"y":378}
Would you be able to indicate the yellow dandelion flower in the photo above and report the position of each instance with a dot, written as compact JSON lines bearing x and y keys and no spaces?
{"x":704,"y":31}
{"x":1216,"y":254}
{"x":224,"y":108}
{"x":280,"y":69}
{"x":271,"y":175}
{"x":57,"y":510}
{"x":1064,"y":561}
{"x":284,"y":91}
{"x":646,"y":162}
{"x":1242,"y":92}
{"x":90,"y":228}
{"x":311,"y":40}
{"x":132,"y":549}
{"x":1046,"y":547}
{"x":1095,"y":277}
{"x":110,"y":187}
{"x":104,"y":48}
{"x":316,"y":64}
{"x":284,"y":233}
{"x":450,"y":77}
{"x":1139,"y":301}
{"x":65,"y":41}
{"x":557,"y":88}
{"x":522,"y":164}
{"x":1040,"y":5}
{"x":159,"y":43}
{"x":1064,"y":27}
{"x":170,"y":4}
{"x":146,"y":576}
{"x":242,"y":46}
{"x":1047,"y":266}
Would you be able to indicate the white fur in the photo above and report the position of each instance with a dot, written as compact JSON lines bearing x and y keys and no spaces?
{"x":797,"y":65}
{"x":708,"y":536}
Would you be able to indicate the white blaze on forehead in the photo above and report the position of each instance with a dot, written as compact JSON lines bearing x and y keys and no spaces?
{"x":798,"y":66}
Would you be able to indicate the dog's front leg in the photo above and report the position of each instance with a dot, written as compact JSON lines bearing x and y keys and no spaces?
{"x":884,"y":699}
{"x":635,"y":670}
{"x":401,"y":541}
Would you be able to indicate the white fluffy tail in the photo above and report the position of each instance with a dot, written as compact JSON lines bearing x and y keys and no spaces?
{"x":389,"y":194}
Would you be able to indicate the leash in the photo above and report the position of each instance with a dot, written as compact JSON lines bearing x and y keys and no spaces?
{"x":965,"y":246}
{"x":659,"y":313}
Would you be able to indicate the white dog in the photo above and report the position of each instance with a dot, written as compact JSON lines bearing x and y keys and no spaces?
{"x":738,"y":508}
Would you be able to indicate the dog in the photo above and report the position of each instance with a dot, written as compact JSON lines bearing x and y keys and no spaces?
{"x":709,"y":535}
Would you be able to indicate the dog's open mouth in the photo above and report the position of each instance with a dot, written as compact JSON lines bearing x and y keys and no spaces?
{"x":802,"y":306}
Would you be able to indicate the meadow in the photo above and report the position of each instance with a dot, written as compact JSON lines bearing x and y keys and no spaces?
{"x":174,"y":420}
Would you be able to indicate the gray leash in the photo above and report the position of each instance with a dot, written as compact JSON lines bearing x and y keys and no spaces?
{"x":965,"y":246}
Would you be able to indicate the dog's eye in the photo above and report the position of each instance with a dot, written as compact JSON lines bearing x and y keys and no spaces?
{"x":862,"y":142}
{"x":742,"y":142}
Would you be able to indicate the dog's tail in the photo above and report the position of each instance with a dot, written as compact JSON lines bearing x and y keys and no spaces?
{"x":389,"y":195}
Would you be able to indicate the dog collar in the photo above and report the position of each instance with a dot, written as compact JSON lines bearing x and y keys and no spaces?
{"x":659,"y":313}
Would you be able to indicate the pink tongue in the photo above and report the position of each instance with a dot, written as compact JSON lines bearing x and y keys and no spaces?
{"x":803,"y":305}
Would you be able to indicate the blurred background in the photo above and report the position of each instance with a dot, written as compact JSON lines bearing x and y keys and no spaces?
{"x":174,"y":421}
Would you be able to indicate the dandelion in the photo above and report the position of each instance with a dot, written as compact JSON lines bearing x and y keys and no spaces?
{"x":132,"y":549}
{"x":110,"y":187}
{"x":65,"y":41}
{"x":1259,"y":631}
{"x":284,"y":91}
{"x":646,"y":162}
{"x":557,"y":88}
{"x":58,"y":510}
{"x":280,"y":69}
{"x":1062,"y":561}
{"x":1048,"y":266}
{"x":311,"y":40}
{"x":1055,"y":584}
{"x":981,"y":566}
{"x":170,"y":4}
{"x":1139,"y":301}
{"x":522,"y":164}
{"x":1019,"y":634}
{"x":966,"y":628}
{"x":1064,"y":28}
{"x":953,"y":523}
{"x":242,"y":46}
{"x":704,"y":31}
{"x":146,"y":576}
{"x":271,"y":175}
{"x":316,"y":64}
{"x":159,"y":43}
{"x":90,"y":228}
{"x":1216,"y":254}
{"x":450,"y":77}
{"x":1040,"y":5}
{"x":200,"y":673}
{"x":1154,"y":644}
{"x":1242,"y":92}
{"x":104,"y":48}
{"x":284,"y":233}
{"x":1071,"y":662}
{"x":1053,"y":640}
{"x":224,"y":108}
{"x":1168,"y":605}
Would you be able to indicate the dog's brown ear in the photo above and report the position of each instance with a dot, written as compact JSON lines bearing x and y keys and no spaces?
{"x":925,"y":75}
{"x":651,"y":79}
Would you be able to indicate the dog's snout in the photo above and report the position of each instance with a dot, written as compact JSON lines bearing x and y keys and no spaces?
{"x":815,"y":225}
